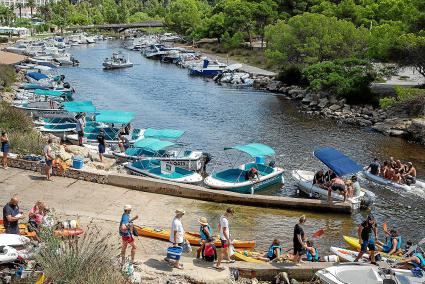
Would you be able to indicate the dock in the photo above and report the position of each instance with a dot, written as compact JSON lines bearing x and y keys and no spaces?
{"x":304,"y":272}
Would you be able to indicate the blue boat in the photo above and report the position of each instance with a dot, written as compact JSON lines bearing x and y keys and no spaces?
{"x":235,"y":179}
{"x":161,"y":169}
{"x":207,"y":69}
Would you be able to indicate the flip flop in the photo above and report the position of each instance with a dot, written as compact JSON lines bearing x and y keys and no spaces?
{"x":221,"y":268}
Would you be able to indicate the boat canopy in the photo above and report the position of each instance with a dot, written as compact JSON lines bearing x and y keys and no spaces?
{"x":37,"y":75}
{"x":163,"y":133}
{"x":79,"y":106}
{"x":49,"y":93}
{"x":254,"y":149}
{"x":152,"y":144}
{"x":336,"y":161}
{"x":114,"y":116}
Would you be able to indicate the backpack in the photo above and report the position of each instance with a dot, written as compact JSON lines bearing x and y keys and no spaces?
{"x":209,"y":252}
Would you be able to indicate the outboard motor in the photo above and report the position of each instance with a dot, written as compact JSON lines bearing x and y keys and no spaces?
{"x":62,"y":77}
{"x":66,"y":85}
{"x":368,"y":200}
{"x":207,"y":159}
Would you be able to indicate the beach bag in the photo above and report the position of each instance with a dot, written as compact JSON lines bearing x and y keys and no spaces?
{"x":186,"y":246}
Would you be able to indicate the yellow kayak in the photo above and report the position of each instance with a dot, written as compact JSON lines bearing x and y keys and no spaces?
{"x":354,"y":243}
{"x":240,"y":255}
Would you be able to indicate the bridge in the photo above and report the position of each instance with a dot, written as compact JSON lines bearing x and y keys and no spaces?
{"x":120,"y":27}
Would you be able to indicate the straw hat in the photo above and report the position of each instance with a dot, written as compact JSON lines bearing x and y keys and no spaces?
{"x":180,"y":212}
{"x":203,"y":221}
{"x":127,"y":207}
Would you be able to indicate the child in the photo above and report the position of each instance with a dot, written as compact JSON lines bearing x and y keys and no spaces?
{"x":312,"y":253}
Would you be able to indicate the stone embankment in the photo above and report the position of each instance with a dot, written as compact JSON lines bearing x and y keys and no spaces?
{"x":390,"y":122}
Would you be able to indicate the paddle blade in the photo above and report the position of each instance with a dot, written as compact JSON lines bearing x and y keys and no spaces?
{"x":318,"y":233}
{"x":385,"y":227}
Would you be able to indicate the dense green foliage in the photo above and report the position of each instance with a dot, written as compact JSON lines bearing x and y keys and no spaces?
{"x":7,"y":75}
{"x":405,"y":95}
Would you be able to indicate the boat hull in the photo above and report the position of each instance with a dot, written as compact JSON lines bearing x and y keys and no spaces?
{"x":420,"y":185}
{"x":250,"y":186}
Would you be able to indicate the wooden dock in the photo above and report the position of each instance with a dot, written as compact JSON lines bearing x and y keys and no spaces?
{"x":201,"y":193}
{"x":304,"y":272}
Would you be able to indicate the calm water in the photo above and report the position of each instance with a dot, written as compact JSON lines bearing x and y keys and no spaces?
{"x":164,"y":96}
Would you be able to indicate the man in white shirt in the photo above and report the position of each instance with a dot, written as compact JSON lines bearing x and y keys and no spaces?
{"x":48,"y":157}
{"x":177,"y":233}
{"x":224,"y":230}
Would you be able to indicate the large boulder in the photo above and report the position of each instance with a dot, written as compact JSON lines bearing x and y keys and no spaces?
{"x":417,"y":130}
{"x":335,"y":107}
{"x":394,"y":127}
{"x":76,"y":150}
{"x":273,"y":86}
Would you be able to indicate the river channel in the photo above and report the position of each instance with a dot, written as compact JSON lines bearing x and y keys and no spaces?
{"x":214,"y":116}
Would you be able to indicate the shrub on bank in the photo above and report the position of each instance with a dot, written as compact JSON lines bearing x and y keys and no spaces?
{"x":23,"y":138}
{"x":7,"y":75}
{"x":411,"y":100}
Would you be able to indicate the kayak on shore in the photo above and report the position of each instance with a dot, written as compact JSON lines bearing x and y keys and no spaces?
{"x":193,"y":238}
{"x":354,"y":243}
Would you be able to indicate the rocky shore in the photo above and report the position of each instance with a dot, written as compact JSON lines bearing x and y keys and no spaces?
{"x":392,"y":122}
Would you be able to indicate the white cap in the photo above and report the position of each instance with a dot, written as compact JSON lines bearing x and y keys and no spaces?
{"x":127,"y":207}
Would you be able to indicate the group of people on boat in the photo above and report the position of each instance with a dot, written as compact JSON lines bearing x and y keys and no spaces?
{"x":368,"y":240}
{"x":330,"y":181}
{"x":394,"y":170}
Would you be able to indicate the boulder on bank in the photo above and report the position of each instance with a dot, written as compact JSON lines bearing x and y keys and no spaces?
{"x":417,"y":130}
{"x":76,"y":150}
{"x":394,"y":127}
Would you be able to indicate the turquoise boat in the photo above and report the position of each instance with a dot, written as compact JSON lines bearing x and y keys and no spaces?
{"x":235,"y":179}
{"x":162,"y":170}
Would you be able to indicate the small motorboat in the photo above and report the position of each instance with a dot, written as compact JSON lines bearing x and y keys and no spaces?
{"x":342,"y":166}
{"x":361,"y":273}
{"x":418,"y":186}
{"x":235,"y":179}
{"x":207,"y":69}
{"x":163,"y":170}
{"x":152,"y":148}
{"x":117,"y":61}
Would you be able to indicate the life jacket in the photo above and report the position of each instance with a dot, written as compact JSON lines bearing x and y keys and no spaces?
{"x":209,"y":250}
{"x":389,"y":245}
{"x":271,"y":253}
{"x":202,"y":233}
{"x":311,"y":257}
{"x":421,"y":258}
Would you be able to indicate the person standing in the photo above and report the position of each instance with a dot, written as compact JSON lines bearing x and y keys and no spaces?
{"x":337,"y":184}
{"x":177,"y":233}
{"x":205,"y":231}
{"x":102,"y":145}
{"x":368,"y":236}
{"x":4,"y":148}
{"x":224,"y":229}
{"x":126,"y":231}
{"x":48,"y":157}
{"x":80,"y":128}
{"x":11,"y":216}
{"x":374,"y":168}
{"x":299,"y":239}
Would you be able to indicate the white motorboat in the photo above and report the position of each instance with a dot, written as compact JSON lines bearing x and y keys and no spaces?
{"x":117,"y":61}
{"x":342,"y":166}
{"x":419,"y":185}
{"x":360,"y":273}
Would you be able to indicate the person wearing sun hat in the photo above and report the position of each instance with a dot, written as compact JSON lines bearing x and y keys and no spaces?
{"x":126,"y":232}
{"x":205,"y":231}
{"x":177,"y":232}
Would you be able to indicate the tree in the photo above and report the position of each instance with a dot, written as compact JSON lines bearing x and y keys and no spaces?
{"x":20,"y":6}
{"x":185,"y":16}
{"x":239,"y":17}
{"x":311,"y":38}
{"x":410,"y":51}
{"x":110,"y":12}
{"x":264,"y":13}
{"x":45,"y":12}
{"x":31,"y":5}
{"x":382,"y":40}
{"x":214,"y":26}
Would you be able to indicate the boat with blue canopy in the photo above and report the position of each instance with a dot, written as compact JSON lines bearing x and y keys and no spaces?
{"x":187,"y":159}
{"x":108,"y":120}
{"x":161,"y":169}
{"x":37,"y":76}
{"x":342,"y":166}
{"x":142,"y":150}
{"x":237,"y":179}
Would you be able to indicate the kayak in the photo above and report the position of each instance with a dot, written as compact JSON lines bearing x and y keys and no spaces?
{"x":68,"y":232}
{"x":354,"y":243}
{"x":23,"y":230}
{"x":346,"y":255}
{"x":193,"y":238}
{"x":240,"y":255}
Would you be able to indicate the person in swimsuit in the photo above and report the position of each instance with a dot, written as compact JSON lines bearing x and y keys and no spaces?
{"x":410,"y":176}
{"x":4,"y":148}
{"x":337,"y":184}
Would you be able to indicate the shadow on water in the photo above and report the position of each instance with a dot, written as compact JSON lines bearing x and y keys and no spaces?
{"x":214,"y":116}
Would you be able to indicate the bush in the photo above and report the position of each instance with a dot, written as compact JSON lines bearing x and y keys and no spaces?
{"x":4,"y":39}
{"x":409,"y":99}
{"x":231,"y":42}
{"x":292,"y":75}
{"x":345,"y":78}
{"x":90,"y":260}
{"x":23,"y":138}
{"x":7,"y":75}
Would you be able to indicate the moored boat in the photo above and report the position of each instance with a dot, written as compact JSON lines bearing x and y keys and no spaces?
{"x":207,"y":69}
{"x":117,"y":61}
{"x":418,"y":185}
{"x":235,"y":179}
{"x":342,"y":166}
